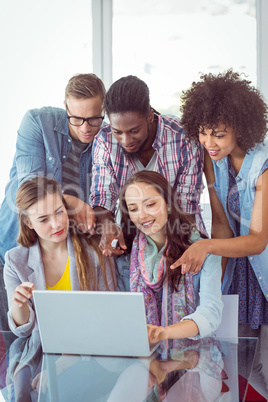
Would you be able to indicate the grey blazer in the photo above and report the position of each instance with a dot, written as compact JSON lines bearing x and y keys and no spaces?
{"x":23,"y":264}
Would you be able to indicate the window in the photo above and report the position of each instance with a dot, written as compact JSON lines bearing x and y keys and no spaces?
{"x":167,"y":43}
{"x":42,"y":45}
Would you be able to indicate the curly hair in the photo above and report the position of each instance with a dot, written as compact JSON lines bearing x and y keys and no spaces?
{"x":228,"y":99}
{"x":178,"y":228}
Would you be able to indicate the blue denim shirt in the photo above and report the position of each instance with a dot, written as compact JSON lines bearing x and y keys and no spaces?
{"x":246,"y":184}
{"x":43,"y":145}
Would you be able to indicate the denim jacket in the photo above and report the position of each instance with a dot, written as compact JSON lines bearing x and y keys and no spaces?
{"x":246,"y":184}
{"x":43,"y":145}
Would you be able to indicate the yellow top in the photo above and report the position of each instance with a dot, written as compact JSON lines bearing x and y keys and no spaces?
{"x":65,"y":281}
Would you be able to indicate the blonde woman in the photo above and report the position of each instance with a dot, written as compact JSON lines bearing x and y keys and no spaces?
{"x":52,"y":254}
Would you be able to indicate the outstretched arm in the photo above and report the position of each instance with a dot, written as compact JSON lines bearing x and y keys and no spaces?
{"x":257,"y":238}
{"x":194,"y":257}
{"x":253,"y":243}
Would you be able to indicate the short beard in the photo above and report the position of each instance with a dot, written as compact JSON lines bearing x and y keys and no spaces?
{"x":132,"y":155}
{"x":136,"y":154}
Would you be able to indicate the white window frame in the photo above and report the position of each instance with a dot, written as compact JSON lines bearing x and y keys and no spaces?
{"x":102,"y":28}
{"x":262,"y":46}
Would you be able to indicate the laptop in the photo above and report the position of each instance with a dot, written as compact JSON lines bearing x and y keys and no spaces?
{"x":94,"y":323}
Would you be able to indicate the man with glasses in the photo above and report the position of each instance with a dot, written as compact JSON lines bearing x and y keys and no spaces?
{"x":56,"y":143}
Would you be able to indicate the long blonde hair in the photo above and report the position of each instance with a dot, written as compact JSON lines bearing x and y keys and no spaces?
{"x":37,"y":188}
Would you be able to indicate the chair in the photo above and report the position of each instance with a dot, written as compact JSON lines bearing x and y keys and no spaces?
{"x":228,"y":329}
{"x":229,"y":324}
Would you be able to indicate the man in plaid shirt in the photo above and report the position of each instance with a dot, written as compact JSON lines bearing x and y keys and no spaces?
{"x":139,"y":138}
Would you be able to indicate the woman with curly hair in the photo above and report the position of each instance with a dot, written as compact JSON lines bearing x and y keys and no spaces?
{"x":157,"y":232}
{"x":228,"y":116}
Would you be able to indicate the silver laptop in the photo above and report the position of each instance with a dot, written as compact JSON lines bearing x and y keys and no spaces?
{"x":95,"y":323}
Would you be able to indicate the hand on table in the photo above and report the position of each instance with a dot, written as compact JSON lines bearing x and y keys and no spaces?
{"x":156,"y":333}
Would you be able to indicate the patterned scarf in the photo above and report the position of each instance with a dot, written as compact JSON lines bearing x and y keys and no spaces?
{"x":175,"y":305}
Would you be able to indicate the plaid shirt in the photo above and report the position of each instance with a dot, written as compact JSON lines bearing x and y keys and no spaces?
{"x":178,"y":160}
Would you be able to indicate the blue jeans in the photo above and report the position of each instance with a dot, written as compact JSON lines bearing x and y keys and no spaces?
{"x":123,"y":280}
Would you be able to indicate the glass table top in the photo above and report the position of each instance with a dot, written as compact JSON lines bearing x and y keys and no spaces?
{"x":211,"y":369}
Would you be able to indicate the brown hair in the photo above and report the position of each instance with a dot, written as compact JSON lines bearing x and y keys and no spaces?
{"x":84,"y":86}
{"x":37,"y":188}
{"x":178,"y":227}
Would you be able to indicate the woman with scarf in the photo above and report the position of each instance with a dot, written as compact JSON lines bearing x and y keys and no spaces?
{"x":157,"y":233}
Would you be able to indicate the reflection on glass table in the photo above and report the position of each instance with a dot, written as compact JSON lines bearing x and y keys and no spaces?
{"x":203,"y":370}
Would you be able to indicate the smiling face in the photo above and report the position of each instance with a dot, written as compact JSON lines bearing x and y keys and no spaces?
{"x":148,"y":211}
{"x":219,"y":142}
{"x":131,"y":131}
{"x":85,"y":108}
{"x":49,"y":218}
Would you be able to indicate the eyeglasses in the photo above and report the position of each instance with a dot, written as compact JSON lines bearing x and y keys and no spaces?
{"x":79,"y":121}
